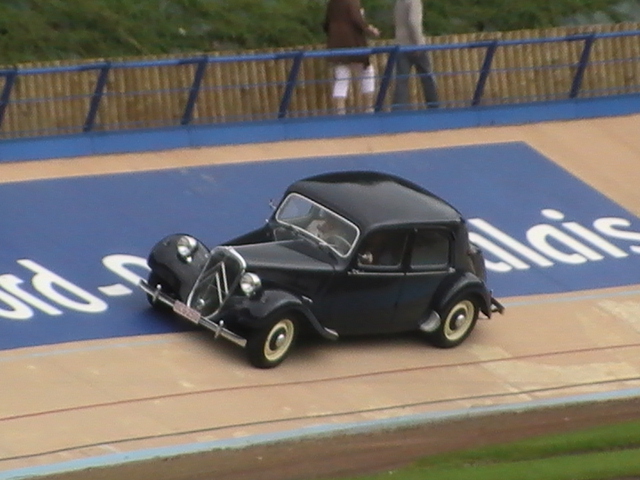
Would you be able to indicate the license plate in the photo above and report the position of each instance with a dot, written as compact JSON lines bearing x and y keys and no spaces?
{"x":186,"y":312}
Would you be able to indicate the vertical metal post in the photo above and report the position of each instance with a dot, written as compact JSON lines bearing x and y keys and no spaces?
{"x":484,"y":73}
{"x":291,"y":84}
{"x":98,"y":93}
{"x":582,"y":65}
{"x":386,"y":79}
{"x":9,"y":81}
{"x":194,"y":91}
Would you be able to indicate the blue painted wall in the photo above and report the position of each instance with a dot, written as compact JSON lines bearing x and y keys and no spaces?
{"x":320,"y":127}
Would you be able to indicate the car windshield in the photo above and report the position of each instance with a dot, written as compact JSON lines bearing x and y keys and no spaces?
{"x":319,"y":222}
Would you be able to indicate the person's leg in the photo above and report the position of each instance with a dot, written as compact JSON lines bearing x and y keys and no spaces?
{"x":422,"y":65}
{"x":368,"y":86}
{"x":342,"y":79}
{"x":400,"y":99}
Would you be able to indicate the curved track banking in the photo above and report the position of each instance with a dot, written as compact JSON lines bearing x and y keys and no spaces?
{"x":94,"y":398}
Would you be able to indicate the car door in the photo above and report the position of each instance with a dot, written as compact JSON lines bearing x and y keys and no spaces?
{"x":364,"y":298}
{"x":429,"y":262}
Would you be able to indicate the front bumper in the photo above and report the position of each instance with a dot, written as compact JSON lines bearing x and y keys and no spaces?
{"x":216,"y":326}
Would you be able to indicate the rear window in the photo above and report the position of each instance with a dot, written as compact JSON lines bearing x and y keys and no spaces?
{"x":431,"y":249}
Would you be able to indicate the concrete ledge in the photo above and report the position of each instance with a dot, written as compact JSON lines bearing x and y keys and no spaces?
{"x":101,"y":143}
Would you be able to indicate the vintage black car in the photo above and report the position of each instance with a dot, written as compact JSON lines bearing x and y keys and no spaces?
{"x":344,"y":253}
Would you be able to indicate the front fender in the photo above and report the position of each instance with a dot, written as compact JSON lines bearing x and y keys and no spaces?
{"x":465,"y":283}
{"x":179,"y":275}
{"x":260,"y":307}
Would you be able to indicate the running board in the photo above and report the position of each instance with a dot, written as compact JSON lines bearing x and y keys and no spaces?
{"x":431,"y":324}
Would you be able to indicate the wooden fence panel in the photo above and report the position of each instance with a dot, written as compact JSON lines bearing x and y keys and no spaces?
{"x":146,"y":96}
{"x":49,"y":103}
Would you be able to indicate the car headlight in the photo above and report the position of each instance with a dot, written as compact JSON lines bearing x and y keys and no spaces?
{"x":186,"y":246}
{"x":250,"y":283}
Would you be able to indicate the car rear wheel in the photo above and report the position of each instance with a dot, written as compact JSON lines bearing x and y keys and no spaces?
{"x":459,"y":317}
{"x":268,"y":347}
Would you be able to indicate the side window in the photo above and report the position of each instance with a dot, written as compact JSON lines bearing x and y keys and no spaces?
{"x":384,"y":248}
{"x":430,"y":249}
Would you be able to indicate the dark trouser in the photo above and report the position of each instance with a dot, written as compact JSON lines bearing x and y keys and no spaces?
{"x":420,"y":61}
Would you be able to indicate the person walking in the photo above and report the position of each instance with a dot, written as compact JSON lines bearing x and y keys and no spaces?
{"x":408,"y":31}
{"x":346,"y":27}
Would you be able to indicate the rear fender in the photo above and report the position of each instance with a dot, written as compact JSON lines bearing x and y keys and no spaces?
{"x":469,"y":284}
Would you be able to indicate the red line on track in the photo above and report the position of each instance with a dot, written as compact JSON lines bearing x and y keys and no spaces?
{"x":317,"y":380}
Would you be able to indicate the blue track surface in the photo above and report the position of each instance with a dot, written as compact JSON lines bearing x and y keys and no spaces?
{"x":72,"y":249}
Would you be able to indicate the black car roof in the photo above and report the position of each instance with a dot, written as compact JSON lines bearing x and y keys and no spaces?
{"x":372,"y":199}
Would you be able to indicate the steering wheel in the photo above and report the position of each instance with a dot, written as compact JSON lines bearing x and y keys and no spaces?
{"x":340,"y":243}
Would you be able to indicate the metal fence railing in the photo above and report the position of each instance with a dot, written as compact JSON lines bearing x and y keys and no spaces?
{"x":113,"y":95}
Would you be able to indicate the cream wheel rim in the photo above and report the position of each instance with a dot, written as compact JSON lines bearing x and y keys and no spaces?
{"x":279,"y":340}
{"x":459,"y":320}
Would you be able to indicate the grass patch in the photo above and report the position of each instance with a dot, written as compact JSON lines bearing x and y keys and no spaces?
{"x":44,"y":30}
{"x":601,"y":453}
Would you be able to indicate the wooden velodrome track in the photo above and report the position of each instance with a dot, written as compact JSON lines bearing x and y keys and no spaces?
{"x":88,"y":399}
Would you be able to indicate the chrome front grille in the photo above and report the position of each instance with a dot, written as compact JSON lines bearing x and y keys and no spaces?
{"x":217,"y":281}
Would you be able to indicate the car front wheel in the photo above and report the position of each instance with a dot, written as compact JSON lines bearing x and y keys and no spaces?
{"x":268,"y":347}
{"x":459,"y":317}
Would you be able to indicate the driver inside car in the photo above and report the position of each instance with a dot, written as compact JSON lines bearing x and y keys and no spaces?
{"x":324,"y":227}
{"x":330,"y":230}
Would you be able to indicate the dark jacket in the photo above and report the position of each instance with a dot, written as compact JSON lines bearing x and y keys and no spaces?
{"x":346,"y":28}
